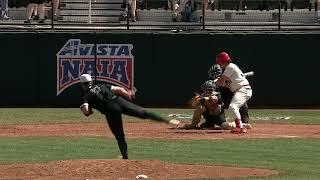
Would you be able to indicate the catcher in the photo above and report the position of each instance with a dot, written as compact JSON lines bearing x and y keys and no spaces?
{"x":209,"y":106}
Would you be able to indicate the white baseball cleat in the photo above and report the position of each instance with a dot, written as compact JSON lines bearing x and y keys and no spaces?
{"x":174,"y":122}
{"x":141,"y":176}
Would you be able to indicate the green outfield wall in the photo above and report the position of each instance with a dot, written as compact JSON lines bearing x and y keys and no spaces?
{"x":168,"y":67}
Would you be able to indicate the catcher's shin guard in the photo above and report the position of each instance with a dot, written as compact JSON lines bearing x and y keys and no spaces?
{"x":196,"y":118}
{"x":189,"y":126}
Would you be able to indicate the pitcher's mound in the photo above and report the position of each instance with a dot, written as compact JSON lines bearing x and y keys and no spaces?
{"x":123,"y":169}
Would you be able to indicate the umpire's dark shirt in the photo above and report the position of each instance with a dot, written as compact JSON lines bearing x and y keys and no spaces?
{"x":99,"y":97}
{"x":226,"y":96}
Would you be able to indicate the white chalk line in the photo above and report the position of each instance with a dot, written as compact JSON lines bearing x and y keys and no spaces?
{"x":279,"y":135}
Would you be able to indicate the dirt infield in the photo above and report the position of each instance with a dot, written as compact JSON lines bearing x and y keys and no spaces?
{"x":129,"y":169}
{"x":161,"y":131}
{"x":122,"y":169}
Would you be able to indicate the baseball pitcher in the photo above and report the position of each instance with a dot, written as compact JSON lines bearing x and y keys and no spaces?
{"x":113,"y":101}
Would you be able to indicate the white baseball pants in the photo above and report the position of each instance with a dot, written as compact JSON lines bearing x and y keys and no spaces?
{"x":240,"y":97}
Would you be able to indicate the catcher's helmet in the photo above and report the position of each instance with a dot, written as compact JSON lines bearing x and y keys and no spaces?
{"x":215,"y":71}
{"x":208,"y":87}
{"x":223,"y":58}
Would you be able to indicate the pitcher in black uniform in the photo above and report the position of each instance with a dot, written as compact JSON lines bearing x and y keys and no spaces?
{"x":113,"y":101}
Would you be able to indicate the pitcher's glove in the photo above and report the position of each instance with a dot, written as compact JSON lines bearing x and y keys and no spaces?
{"x":90,"y":111}
{"x":86,"y":109}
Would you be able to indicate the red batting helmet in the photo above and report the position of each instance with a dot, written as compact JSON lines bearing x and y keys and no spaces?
{"x":223,"y":58}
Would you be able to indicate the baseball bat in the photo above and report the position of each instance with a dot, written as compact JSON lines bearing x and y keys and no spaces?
{"x":248,"y":74}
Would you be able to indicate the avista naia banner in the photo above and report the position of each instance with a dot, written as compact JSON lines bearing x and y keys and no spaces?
{"x":113,"y":62}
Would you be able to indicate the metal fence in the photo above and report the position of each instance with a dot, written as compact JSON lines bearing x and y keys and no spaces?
{"x":175,"y":15}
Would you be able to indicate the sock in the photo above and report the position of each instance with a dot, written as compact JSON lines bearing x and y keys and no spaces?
{"x":123,"y":148}
{"x":238,"y":123}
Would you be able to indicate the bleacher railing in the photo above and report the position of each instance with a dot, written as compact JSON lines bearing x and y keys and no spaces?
{"x":216,"y":15}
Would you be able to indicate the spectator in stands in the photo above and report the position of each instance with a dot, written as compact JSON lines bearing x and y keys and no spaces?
{"x":35,"y":15}
{"x":55,"y":6}
{"x":318,"y":9}
{"x":39,"y":6}
{"x":265,"y":5}
{"x":133,"y":6}
{"x":180,"y":5}
{"x":4,"y":10}
{"x":242,"y":4}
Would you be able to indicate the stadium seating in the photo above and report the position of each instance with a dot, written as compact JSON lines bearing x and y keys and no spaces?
{"x":150,"y":11}
{"x":101,"y":10}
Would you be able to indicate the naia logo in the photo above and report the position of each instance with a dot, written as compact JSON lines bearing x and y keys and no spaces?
{"x":113,"y":63}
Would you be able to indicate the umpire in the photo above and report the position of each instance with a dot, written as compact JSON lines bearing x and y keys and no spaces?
{"x":113,"y":101}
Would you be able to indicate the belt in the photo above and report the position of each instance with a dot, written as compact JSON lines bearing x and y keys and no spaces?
{"x":247,"y":86}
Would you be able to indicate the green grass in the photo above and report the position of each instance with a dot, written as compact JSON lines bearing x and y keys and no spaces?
{"x":267,"y":115}
{"x":296,"y":116}
{"x":61,"y":115}
{"x":293,"y":158}
{"x":73,"y":115}
{"x":44,"y":116}
{"x":44,"y":149}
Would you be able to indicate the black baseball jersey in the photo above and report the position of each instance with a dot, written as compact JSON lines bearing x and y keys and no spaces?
{"x":99,"y":97}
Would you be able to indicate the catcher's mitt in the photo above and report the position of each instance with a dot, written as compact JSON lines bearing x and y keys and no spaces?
{"x":195,"y":100}
{"x":213,"y":106}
